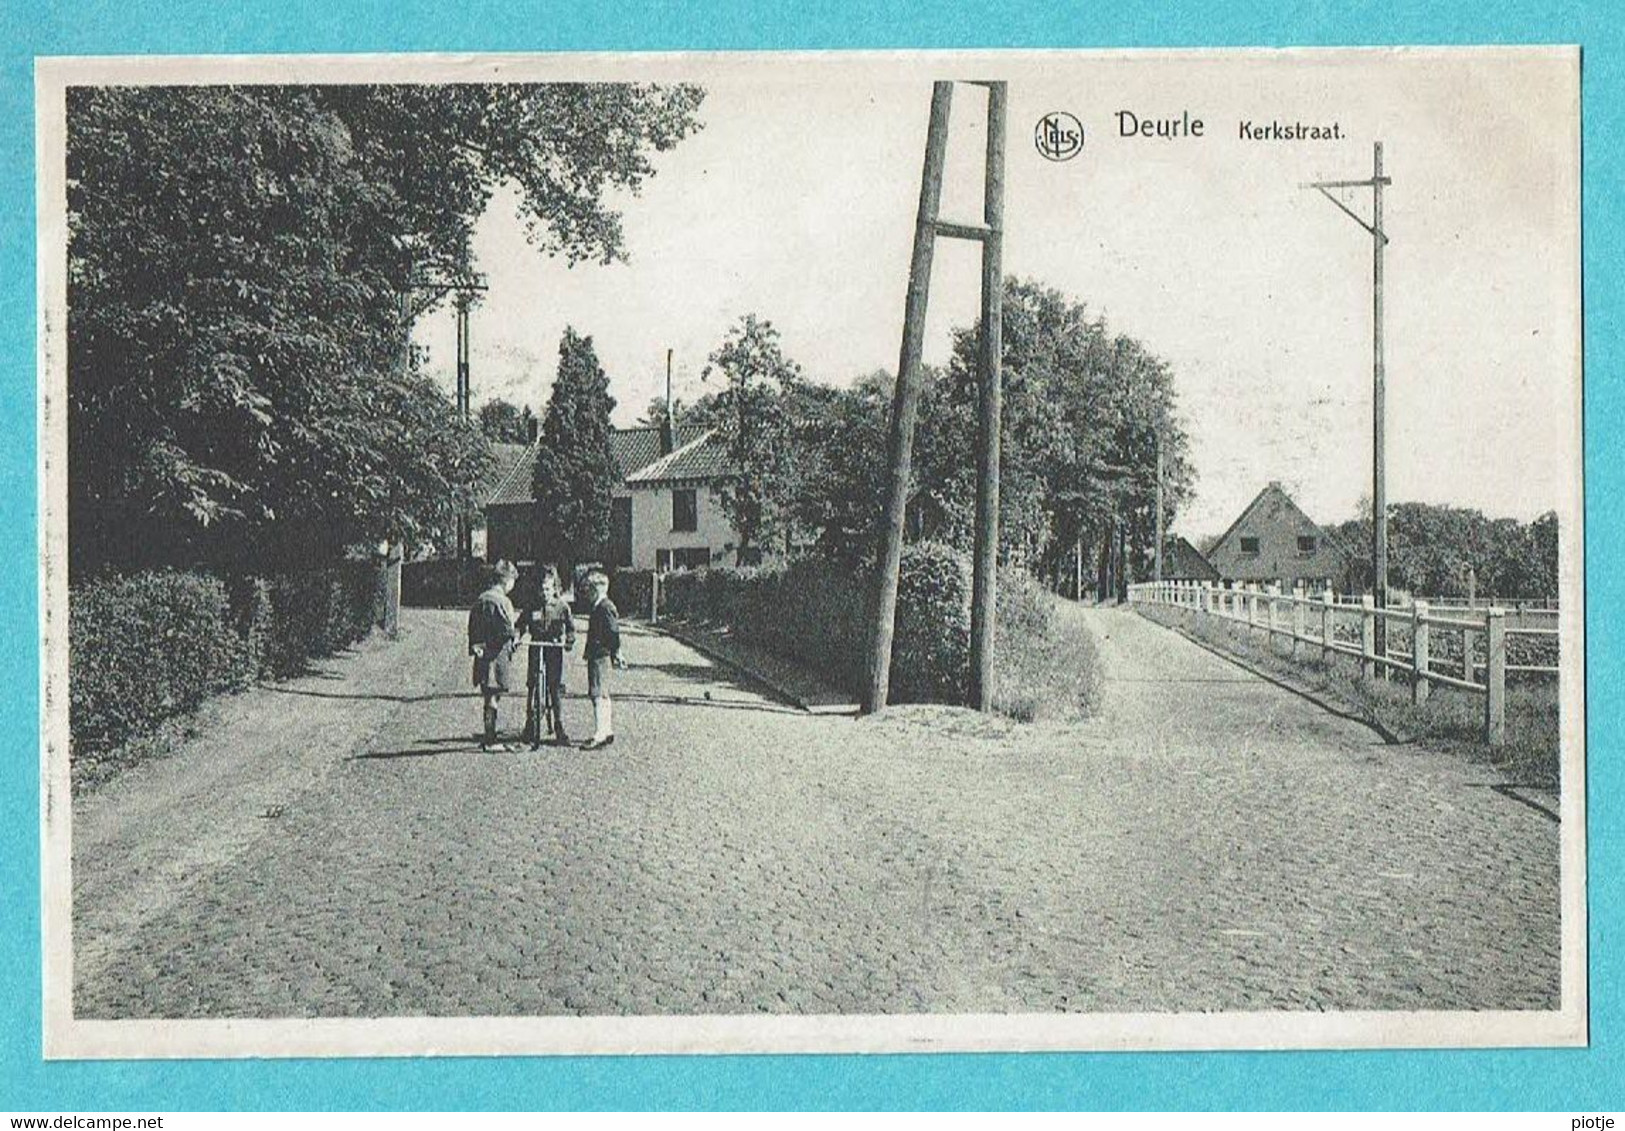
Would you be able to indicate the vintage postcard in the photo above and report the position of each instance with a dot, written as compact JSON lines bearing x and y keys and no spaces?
{"x":811,"y":552}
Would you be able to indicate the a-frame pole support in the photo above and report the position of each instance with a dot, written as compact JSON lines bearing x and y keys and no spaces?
{"x":906,"y":400}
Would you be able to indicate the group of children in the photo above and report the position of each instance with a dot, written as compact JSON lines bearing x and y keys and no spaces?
{"x":546,"y":628}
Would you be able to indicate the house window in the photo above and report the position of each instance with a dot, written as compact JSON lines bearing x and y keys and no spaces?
{"x":1306,"y":545}
{"x":1249,"y":545}
{"x":685,"y":511}
{"x":662,"y":561}
{"x":694,"y":557}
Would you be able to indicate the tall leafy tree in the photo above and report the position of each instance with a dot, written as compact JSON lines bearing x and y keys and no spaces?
{"x":843,"y":437}
{"x":1434,"y":549}
{"x":762,"y":397}
{"x":241,"y":270}
{"x":503,"y":422}
{"x":1081,"y":418}
{"x":576,"y":474}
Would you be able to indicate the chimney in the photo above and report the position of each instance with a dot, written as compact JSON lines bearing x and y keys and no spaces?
{"x":668,"y":427}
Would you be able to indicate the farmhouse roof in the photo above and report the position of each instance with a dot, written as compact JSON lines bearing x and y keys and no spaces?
{"x":1274,"y":509}
{"x":507,"y":459}
{"x":703,"y":457}
{"x":1182,"y":561}
{"x":1273,"y":488}
{"x":632,"y":449}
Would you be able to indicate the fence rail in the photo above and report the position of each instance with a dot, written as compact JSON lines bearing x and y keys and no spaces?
{"x":1313,"y":621}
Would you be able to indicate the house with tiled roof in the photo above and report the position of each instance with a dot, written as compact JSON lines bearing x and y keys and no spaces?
{"x":1274,"y":541}
{"x":666,"y":510}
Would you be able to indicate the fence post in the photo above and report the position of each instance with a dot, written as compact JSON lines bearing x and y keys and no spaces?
{"x":1368,"y":637}
{"x":1272,"y":592}
{"x":1467,"y":665}
{"x":1298,"y":618}
{"x":1328,"y":625}
{"x":1495,"y":676}
{"x":1419,"y":652}
{"x":1250,"y":597}
{"x":654,"y":596}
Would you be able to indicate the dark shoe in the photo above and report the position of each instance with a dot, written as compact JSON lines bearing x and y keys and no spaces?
{"x":561,"y":739}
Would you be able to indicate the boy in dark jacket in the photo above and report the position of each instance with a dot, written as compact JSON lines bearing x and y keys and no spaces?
{"x":491,"y":636}
{"x":603,"y":652}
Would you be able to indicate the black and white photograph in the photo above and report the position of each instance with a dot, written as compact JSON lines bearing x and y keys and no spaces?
{"x":849,"y":551}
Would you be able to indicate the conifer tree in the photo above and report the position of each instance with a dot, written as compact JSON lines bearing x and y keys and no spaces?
{"x":576,"y":473}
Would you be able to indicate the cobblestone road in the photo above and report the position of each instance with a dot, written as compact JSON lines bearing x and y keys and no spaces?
{"x":1213,"y":842}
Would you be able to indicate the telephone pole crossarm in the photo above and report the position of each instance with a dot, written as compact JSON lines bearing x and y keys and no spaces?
{"x":1353,"y":215}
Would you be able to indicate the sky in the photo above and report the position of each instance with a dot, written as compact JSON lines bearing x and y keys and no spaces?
{"x":796,"y":201}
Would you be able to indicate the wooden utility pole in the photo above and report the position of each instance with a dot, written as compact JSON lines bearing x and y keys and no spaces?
{"x":1157,"y":575}
{"x":906,"y":398}
{"x":985,"y":574}
{"x":668,"y":434}
{"x":429,"y":290}
{"x":1379,"y":472}
{"x":465,"y":530}
{"x":1379,"y":411}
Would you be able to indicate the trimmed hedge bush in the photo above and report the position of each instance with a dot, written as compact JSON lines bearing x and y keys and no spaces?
{"x":930,"y":654}
{"x":150,"y":646}
{"x":630,"y":590}
{"x":143,"y":648}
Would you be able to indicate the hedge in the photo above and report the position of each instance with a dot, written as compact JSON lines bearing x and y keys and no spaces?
{"x":149,"y":646}
{"x":813,"y":611}
{"x":441,"y":583}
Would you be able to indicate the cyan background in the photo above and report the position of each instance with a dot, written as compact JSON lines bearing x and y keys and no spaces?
{"x":1551,"y":1079}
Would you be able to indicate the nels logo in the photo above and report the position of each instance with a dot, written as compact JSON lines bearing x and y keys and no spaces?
{"x":1058,"y":136}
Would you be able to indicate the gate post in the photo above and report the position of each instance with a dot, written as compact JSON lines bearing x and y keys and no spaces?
{"x":1495,"y":676}
{"x":1299,"y":614}
{"x":391,"y":554}
{"x":1328,"y":625}
{"x":1419,"y":652}
{"x":1368,"y":637}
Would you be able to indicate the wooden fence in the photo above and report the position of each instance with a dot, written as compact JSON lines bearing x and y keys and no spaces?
{"x":1314,"y":622}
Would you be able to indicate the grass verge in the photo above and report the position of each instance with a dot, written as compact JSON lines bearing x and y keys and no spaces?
{"x":1451,"y":719}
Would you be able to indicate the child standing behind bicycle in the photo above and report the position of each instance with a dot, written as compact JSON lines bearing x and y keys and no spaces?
{"x":552,"y":633}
